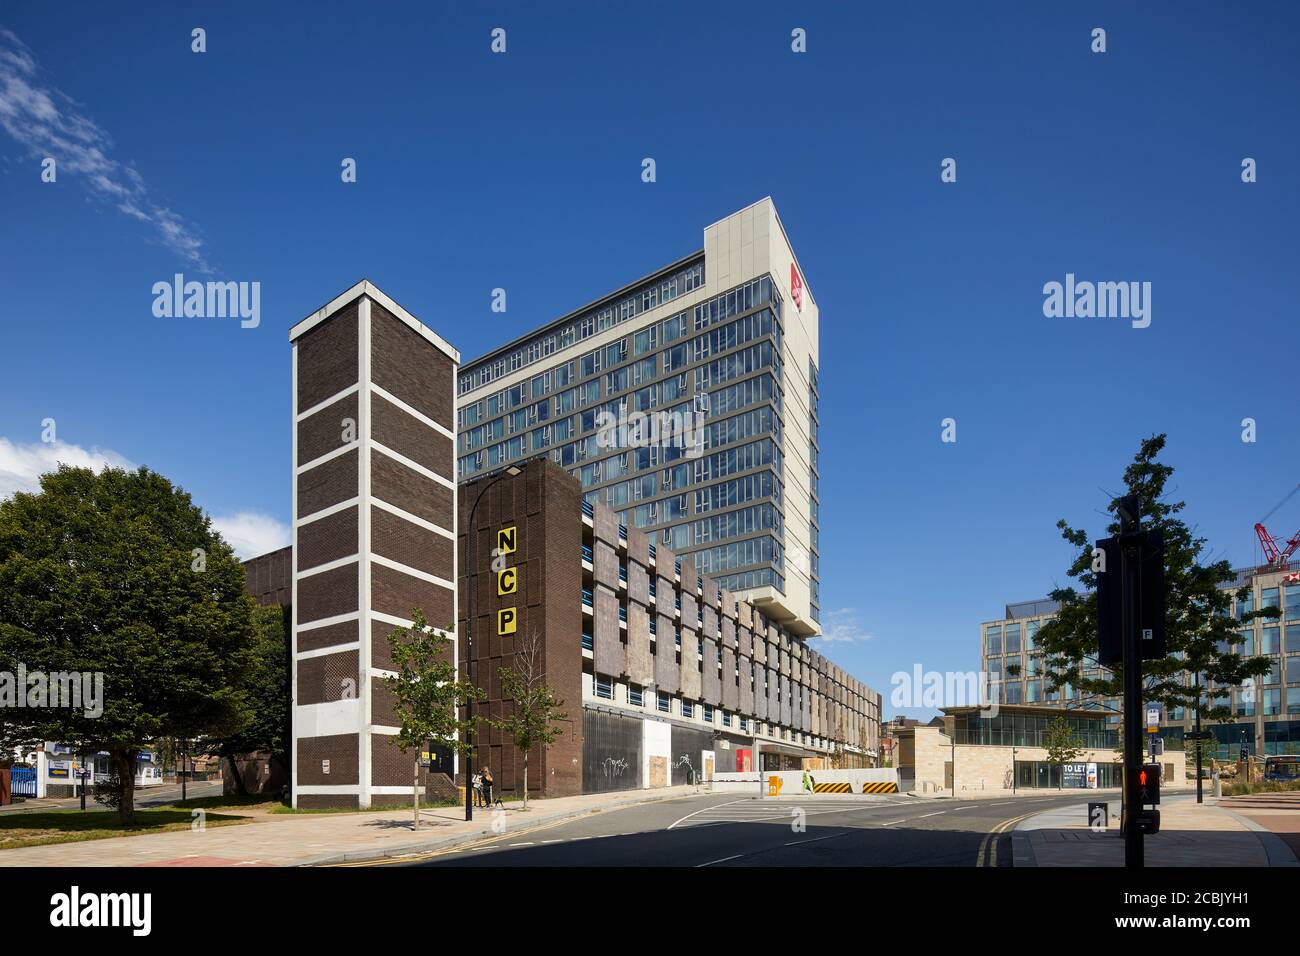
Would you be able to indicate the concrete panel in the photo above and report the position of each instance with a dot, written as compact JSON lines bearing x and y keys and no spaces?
{"x":690,"y":614}
{"x":667,"y":673}
{"x":784,"y":662}
{"x":727,"y":604}
{"x":773,"y":688}
{"x":744,"y":614}
{"x":746,"y":705}
{"x":745,"y":641}
{"x":712,"y":690}
{"x":638,"y":546}
{"x":690,"y":576}
{"x":785,"y":701}
{"x":711,"y":623}
{"x":606,"y":565}
{"x":690,"y":667}
{"x":665,"y":595}
{"x":728,"y":633}
{"x":730,"y":694}
{"x":640,"y":662}
{"x":605,"y":525}
{"x":608,"y":652}
{"x":760,"y":650}
{"x":638,"y":583}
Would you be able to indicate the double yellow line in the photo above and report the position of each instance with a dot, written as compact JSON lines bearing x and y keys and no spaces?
{"x":988,"y":851}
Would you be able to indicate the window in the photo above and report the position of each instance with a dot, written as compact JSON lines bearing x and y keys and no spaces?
{"x":688,"y":709}
{"x":634,"y":695}
{"x":665,"y":703}
{"x":708,"y":714}
{"x":726,"y":719}
{"x":604,"y":687}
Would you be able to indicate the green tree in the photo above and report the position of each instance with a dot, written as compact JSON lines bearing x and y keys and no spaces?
{"x":428,"y":696}
{"x":120,"y":574}
{"x":1061,"y":742}
{"x":266,"y":684}
{"x":534,"y":709}
{"x":1200,"y":631}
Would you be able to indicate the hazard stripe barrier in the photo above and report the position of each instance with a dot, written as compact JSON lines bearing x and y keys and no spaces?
{"x":832,"y":788}
{"x":880,"y":788}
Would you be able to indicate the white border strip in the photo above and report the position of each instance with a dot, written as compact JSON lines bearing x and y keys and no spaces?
{"x":412,"y":572}
{"x":414,"y":519}
{"x":413,"y":465}
{"x":327,"y":402}
{"x":413,"y":412}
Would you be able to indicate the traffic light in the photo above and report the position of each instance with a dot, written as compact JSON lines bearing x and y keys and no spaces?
{"x":1148,"y":785}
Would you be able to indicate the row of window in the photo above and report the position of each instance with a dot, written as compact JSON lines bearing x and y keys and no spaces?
{"x":598,"y":320}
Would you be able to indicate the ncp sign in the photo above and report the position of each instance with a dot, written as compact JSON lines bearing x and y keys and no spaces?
{"x":796,"y":287}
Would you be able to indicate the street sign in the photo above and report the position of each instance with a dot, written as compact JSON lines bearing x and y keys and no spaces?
{"x":1153,"y":718}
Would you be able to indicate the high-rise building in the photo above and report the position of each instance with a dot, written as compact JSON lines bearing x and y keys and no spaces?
{"x":686,"y":402}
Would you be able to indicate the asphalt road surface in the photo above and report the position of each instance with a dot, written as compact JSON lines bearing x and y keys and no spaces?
{"x":717,"y":830}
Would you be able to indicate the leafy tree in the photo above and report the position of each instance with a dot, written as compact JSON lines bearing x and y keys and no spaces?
{"x":429,"y":697}
{"x":266,"y":685}
{"x":1200,"y":631}
{"x":534,"y":708}
{"x":1061,"y":742}
{"x":120,"y":574}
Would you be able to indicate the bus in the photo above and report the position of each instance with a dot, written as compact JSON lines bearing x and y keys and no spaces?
{"x":1284,"y":767}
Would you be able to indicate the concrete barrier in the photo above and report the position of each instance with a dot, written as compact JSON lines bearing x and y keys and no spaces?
{"x":877,"y":781}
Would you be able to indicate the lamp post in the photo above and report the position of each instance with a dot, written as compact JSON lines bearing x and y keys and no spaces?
{"x":469,"y":635}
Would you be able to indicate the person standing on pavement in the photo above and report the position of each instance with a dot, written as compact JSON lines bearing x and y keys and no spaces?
{"x":478,"y":790}
{"x":486,"y":775}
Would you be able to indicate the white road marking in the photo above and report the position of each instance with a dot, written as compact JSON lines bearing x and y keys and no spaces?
{"x":521,"y":844}
{"x":956,"y":809}
{"x":814,"y":839}
{"x":723,"y":860}
{"x":935,"y":814}
{"x":714,"y":807}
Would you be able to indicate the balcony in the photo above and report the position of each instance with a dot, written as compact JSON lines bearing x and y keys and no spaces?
{"x":586,"y":597}
{"x":587,"y":554}
{"x":588,"y":508}
{"x":588,"y":643}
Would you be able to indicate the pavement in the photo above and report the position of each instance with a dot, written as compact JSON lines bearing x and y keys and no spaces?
{"x":310,"y":839}
{"x":1212,"y":834}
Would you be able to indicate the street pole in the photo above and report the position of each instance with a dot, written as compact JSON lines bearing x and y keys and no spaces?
{"x":1199,"y":746}
{"x":1013,"y":771}
{"x":1133,"y":855}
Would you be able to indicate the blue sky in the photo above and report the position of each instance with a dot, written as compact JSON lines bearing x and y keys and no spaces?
{"x":523,"y":171}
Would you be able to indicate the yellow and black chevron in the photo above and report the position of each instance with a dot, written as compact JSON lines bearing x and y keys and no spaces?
{"x":880,"y":787}
{"x":832,"y":788}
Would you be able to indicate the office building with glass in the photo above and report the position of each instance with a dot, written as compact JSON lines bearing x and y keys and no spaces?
{"x":1266,"y":712}
{"x":686,"y":402}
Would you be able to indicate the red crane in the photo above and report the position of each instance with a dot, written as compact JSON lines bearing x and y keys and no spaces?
{"x":1277,"y":554}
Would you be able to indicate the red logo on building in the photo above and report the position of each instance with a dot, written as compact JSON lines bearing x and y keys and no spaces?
{"x":796,"y":287}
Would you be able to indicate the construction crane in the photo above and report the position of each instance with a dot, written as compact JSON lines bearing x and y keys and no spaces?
{"x":1277,"y":554}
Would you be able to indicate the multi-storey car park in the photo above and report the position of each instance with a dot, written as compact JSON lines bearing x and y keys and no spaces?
{"x":666,"y":675}
{"x":729,"y":332}
{"x":1266,"y":714}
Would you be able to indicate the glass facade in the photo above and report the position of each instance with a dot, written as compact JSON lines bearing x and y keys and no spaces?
{"x":1028,"y":730}
{"x":718,"y":363}
{"x":1266,"y":710}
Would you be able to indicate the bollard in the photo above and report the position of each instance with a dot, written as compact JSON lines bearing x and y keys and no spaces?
{"x":1218,"y":785}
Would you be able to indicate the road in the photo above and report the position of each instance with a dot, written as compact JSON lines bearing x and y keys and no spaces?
{"x":144,"y":797}
{"x":717,"y":830}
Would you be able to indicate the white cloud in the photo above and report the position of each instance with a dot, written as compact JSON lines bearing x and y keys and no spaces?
{"x":251,"y":533}
{"x":21,"y":466}
{"x":49,"y":123}
{"x":841,"y":626}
